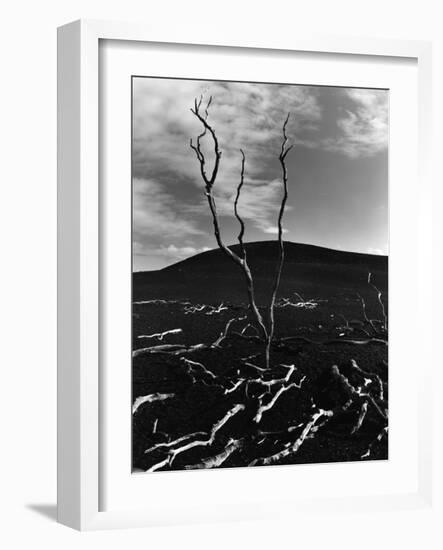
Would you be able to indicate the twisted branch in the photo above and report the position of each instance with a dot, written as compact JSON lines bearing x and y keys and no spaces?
{"x":209,"y":183}
{"x":283,"y":152}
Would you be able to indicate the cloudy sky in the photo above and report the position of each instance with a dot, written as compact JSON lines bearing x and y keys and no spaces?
{"x":338,"y":168}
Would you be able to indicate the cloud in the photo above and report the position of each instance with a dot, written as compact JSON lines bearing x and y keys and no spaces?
{"x":181,"y":252}
{"x":154,"y":216}
{"x":376,"y":251}
{"x":364,"y":126}
{"x":259,"y":203}
{"x":247,"y":116}
{"x":273,"y":230}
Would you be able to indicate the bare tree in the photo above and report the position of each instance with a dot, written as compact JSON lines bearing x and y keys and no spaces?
{"x":209,"y":176}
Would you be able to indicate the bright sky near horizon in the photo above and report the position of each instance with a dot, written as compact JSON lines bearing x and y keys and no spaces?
{"x":337,"y":170}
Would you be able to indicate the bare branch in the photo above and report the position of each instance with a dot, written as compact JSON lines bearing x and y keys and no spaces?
{"x":193,"y":364}
{"x":161,"y":335}
{"x":209,"y":183}
{"x":361,"y":417}
{"x":357,"y":392}
{"x":210,"y":440}
{"x":379,"y":437}
{"x":263,"y":408}
{"x":217,"y":460}
{"x":151,"y":398}
{"x":284,"y":151}
{"x":380,"y":301}
{"x":240,"y":220}
{"x":320,"y":414}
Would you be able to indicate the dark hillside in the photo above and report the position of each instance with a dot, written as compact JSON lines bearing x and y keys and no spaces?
{"x":211,"y":276}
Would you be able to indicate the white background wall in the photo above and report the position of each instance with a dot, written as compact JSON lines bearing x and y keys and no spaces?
{"x":28,"y":268}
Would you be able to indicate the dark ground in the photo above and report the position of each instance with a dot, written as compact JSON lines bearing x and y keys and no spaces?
{"x":326,"y":326}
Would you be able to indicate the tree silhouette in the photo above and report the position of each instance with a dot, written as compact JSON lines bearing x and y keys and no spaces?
{"x":265,"y":327}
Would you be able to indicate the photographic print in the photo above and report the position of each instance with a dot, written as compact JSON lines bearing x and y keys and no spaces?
{"x":259,"y":274}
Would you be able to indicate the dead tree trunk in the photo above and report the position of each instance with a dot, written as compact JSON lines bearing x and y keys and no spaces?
{"x":209,"y":177}
{"x":282,"y":159}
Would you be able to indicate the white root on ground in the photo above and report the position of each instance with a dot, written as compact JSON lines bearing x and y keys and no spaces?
{"x":263,"y":408}
{"x":159,"y":465}
{"x":274,"y":381}
{"x":286,"y":302}
{"x":178,"y":349}
{"x":243,"y":331}
{"x":173,"y":453}
{"x":235,"y":386}
{"x":365,"y":314}
{"x":294,"y":447}
{"x":379,"y":437}
{"x":318,"y":419}
{"x":158,"y":302}
{"x":380,"y":301}
{"x":224,"y":332}
{"x":215,"y":428}
{"x":161,"y":335}
{"x":340,"y":340}
{"x":150,"y":398}
{"x":365,"y":373}
{"x":361,"y":417}
{"x":248,"y":364}
{"x":217,"y":460}
{"x":170,"y":444}
{"x":199,"y":308}
{"x":358,"y":392}
{"x":214,"y":310}
{"x":194,"y":365}
{"x":194,"y":309}
{"x":172,"y":349}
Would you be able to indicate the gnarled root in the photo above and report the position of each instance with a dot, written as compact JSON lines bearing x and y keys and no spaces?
{"x":174,"y":452}
{"x":217,"y":460}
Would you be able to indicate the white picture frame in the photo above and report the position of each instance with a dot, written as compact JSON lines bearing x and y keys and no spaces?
{"x":80,"y":413}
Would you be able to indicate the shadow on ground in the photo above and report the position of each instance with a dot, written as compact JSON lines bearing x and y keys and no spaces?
{"x":49,"y":511}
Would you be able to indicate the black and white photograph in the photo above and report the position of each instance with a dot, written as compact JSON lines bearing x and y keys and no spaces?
{"x":259,"y":274}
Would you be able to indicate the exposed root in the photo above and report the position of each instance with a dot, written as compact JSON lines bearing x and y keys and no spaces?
{"x":218,"y":459}
{"x":180,"y":349}
{"x":302,"y":304}
{"x":361,"y":417}
{"x":371,"y":375}
{"x":224,"y":332}
{"x":365,"y":314}
{"x":194,"y":309}
{"x":161,"y":335}
{"x":274,"y":381}
{"x":251,"y":327}
{"x":159,"y":465}
{"x":263,"y":408}
{"x":380,"y":301}
{"x":173,"y":453}
{"x":358,"y":393}
{"x":159,"y":302}
{"x":150,"y":399}
{"x":174,"y":442}
{"x":235,"y":386}
{"x":207,"y":442}
{"x":252,"y":365}
{"x":350,"y":341}
{"x":294,"y":447}
{"x":379,"y":437}
{"x":193,"y":366}
{"x":215,"y":310}
{"x":172,"y":349}
{"x":199,"y":308}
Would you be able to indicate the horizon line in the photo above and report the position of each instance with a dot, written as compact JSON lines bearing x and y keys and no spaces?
{"x":254,"y":242}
